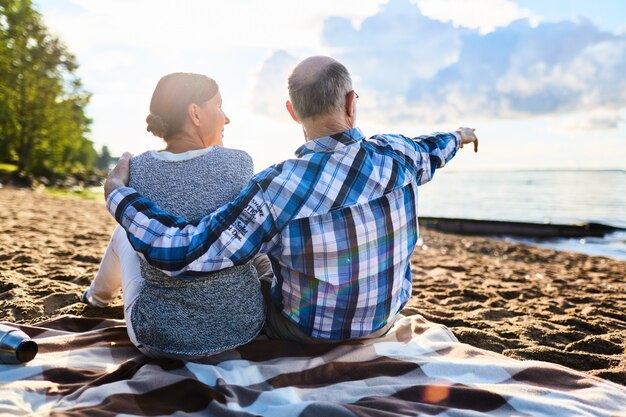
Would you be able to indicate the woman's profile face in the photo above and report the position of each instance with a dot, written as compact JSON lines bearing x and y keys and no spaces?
{"x":212,"y":121}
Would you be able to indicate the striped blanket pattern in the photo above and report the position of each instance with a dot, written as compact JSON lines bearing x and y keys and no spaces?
{"x":88,"y":367}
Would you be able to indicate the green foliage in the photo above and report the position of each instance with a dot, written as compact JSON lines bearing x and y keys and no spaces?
{"x":43,"y":125}
{"x":8,"y":168}
{"x":82,"y":193}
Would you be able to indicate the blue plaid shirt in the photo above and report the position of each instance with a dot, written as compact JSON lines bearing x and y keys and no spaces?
{"x":339,"y":223}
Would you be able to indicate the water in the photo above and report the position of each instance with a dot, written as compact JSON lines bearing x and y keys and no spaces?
{"x":563,"y":197}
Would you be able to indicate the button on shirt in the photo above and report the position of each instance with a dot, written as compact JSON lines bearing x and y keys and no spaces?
{"x":338,"y":222}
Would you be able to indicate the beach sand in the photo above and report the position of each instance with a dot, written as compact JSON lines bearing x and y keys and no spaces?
{"x":524,"y":302}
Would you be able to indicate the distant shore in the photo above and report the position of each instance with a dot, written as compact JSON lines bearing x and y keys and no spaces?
{"x":524,"y":302}
{"x":77,"y":180}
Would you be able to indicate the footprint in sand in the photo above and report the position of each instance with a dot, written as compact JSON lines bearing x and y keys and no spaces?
{"x":584,"y":361}
{"x":597,"y":344}
{"x":24,"y":259}
{"x":54,"y":302}
{"x":87,"y":258}
{"x":6,"y":286}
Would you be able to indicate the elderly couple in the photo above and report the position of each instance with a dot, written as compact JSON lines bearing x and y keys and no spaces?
{"x":314,"y":249}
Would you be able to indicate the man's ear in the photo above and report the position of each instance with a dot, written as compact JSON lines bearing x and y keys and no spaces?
{"x":350,"y":103}
{"x":193,"y":114}
{"x":291,"y":111}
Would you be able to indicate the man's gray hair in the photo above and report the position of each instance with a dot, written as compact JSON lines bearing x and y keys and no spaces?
{"x":322,"y":95}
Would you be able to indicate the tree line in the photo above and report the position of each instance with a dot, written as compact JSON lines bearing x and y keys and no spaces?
{"x":43,"y":125}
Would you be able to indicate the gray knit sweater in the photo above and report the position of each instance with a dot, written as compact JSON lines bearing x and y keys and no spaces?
{"x":210,"y":313}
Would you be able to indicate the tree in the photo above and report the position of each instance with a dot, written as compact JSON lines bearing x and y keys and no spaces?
{"x":104,"y":159}
{"x":43,"y":125}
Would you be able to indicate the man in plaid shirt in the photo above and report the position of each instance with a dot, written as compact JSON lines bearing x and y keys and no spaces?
{"x":338,"y":222}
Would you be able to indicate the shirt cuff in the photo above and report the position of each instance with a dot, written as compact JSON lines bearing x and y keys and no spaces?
{"x":458,"y":139}
{"x":117,"y":198}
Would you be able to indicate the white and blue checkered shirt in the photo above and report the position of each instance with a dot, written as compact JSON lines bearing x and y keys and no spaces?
{"x":339,"y":223}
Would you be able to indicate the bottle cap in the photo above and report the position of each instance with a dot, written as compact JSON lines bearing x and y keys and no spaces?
{"x":26,"y":351}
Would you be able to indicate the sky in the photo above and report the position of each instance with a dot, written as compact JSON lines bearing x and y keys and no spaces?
{"x":542,"y":82}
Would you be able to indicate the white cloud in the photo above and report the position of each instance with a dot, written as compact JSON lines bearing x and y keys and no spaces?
{"x":197,"y":25}
{"x":414,"y":62}
{"x":426,"y":60}
{"x":483,"y":15}
{"x":126,"y":46}
{"x":395,"y":45}
{"x":384,"y":53}
{"x":411,"y":67}
{"x":593,"y":121}
{"x":521,"y":71}
{"x":270,"y":87}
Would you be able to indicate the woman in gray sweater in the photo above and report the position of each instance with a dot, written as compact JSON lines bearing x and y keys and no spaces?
{"x":192,"y":176}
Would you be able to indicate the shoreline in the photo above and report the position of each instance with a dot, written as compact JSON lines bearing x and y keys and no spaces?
{"x":522,"y":301}
{"x":533,"y":230}
{"x":589,"y":238}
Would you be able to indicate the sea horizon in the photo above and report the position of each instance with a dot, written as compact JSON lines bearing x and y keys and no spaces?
{"x":485,"y":170}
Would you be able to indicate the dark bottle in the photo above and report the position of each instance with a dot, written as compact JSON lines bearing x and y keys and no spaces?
{"x":15,"y":345}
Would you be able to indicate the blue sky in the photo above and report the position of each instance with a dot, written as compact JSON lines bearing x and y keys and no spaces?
{"x":541,"y":81}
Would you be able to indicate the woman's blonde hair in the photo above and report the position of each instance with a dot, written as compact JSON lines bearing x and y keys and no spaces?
{"x":171,"y":98}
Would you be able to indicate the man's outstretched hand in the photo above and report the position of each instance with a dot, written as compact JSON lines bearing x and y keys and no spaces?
{"x":119,"y":176}
{"x":467,"y":136}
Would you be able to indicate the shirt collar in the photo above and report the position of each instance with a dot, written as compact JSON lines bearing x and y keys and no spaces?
{"x":331,"y":143}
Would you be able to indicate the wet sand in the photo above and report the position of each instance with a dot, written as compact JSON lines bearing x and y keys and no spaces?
{"x":524,"y":302}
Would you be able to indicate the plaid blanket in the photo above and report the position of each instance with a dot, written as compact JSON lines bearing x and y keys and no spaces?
{"x":88,"y":367}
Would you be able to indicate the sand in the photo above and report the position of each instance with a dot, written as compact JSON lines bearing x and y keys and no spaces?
{"x":524,"y":302}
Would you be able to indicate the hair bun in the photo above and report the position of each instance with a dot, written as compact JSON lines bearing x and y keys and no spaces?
{"x":156,"y":125}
